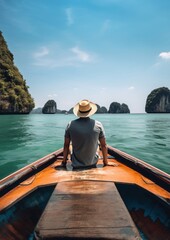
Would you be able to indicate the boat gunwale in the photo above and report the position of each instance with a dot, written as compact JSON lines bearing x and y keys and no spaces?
{"x":14,"y":179}
{"x":156,"y":175}
{"x":160,"y":177}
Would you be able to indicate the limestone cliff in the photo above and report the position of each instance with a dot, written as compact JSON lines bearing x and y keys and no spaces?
{"x":50,"y":107}
{"x":158,"y":101}
{"x":116,"y":107}
{"x":101,"y":109}
{"x":70,"y":111}
{"x":14,"y":95}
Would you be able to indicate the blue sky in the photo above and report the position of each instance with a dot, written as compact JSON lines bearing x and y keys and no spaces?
{"x":102,"y":50}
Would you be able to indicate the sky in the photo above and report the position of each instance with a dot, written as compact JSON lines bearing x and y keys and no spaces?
{"x":102,"y":50}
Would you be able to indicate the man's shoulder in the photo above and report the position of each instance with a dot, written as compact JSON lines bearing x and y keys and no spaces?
{"x":73,"y":122}
{"x":87,"y":120}
{"x":98,"y":123}
{"x":68,"y":125}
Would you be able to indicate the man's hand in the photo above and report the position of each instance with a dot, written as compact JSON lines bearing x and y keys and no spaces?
{"x":63,"y":164}
{"x":110,"y":164}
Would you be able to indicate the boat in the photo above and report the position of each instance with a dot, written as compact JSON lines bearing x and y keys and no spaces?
{"x":128,"y":200}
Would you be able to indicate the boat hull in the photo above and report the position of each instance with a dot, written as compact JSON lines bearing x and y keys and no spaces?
{"x":143,"y":189}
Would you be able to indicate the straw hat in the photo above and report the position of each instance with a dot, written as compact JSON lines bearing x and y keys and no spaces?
{"x":84,"y":109}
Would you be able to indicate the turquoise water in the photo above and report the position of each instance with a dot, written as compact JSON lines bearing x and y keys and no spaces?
{"x":26,"y":138}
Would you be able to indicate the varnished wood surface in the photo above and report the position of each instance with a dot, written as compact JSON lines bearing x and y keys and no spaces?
{"x":53,"y":174}
{"x":86,"y":209}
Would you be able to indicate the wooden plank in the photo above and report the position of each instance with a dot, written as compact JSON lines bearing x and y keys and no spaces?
{"x":86,"y":209}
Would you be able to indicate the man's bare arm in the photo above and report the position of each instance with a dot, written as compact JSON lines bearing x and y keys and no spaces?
{"x":66,"y":150}
{"x":104,"y":150}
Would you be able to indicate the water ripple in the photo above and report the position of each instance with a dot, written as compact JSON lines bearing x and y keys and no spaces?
{"x":26,"y":138}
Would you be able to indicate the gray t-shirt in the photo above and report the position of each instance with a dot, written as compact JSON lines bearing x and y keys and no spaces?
{"x":84,"y":134}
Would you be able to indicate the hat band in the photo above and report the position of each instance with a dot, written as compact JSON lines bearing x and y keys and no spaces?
{"x":85,"y":111}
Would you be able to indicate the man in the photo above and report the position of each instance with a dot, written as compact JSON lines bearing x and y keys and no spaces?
{"x":84,"y":133}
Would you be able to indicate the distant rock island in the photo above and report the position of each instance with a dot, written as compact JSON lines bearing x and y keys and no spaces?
{"x":50,"y":107}
{"x":14,"y":95}
{"x":116,"y":107}
{"x":158,"y":101}
{"x":101,"y":109}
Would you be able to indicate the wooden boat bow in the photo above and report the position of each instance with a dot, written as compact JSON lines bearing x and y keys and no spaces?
{"x":140,"y":185}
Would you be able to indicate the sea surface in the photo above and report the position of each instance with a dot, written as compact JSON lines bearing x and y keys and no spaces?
{"x":26,"y":138}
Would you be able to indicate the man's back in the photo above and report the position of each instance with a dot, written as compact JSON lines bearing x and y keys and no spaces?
{"x":84,"y":134}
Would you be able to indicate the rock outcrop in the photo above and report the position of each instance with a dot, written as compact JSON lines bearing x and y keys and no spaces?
{"x":116,"y":107}
{"x":36,"y":111}
{"x":70,"y":111}
{"x":14,"y":95}
{"x":101,"y":109}
{"x":50,"y":107}
{"x":158,"y":101}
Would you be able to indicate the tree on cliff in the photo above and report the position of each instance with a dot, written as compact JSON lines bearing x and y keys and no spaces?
{"x":14,"y":95}
{"x":158,"y":101}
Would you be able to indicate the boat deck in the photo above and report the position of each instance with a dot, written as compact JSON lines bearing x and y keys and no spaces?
{"x":53,"y":174}
{"x":86,"y":209}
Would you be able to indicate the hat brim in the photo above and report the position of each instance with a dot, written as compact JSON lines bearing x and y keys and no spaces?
{"x":86,"y":114}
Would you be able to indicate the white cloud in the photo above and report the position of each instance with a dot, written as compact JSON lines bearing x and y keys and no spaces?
{"x":165,"y":55}
{"x":41,"y":53}
{"x":81,"y":55}
{"x":52,"y":95}
{"x":69,"y":15}
{"x":131,"y":88}
{"x":57,"y":56}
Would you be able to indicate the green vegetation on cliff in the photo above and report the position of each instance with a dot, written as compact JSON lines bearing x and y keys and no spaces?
{"x":158,"y":101}
{"x":14,"y":95}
